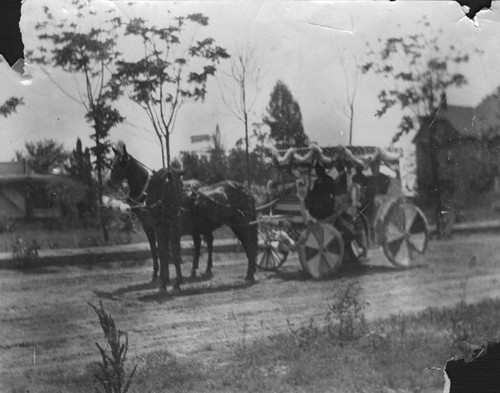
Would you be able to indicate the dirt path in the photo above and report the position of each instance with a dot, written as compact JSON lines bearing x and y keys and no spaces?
{"x":46,"y":311}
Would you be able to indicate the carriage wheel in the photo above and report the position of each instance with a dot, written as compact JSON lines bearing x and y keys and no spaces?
{"x":405,"y":234}
{"x":272,"y":247}
{"x":321,"y":249}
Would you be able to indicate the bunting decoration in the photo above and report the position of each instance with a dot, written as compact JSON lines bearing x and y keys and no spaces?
{"x":358,"y":155}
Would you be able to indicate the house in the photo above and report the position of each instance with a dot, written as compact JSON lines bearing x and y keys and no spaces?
{"x":466,"y":159}
{"x":24,"y":194}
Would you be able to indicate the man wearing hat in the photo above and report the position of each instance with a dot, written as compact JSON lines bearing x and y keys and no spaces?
{"x":321,"y":200}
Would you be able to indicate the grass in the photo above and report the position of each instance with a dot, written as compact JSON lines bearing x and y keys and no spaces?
{"x":396,"y":354}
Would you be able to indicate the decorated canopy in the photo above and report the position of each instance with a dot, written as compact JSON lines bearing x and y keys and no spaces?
{"x":361,"y":155}
{"x":392,"y":157}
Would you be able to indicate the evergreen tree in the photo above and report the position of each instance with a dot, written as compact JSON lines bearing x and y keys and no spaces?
{"x":79,"y":168}
{"x":43,"y":156}
{"x":284,"y":118}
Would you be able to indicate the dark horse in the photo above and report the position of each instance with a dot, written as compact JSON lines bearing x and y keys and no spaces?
{"x":226,"y":203}
{"x":138,"y":178}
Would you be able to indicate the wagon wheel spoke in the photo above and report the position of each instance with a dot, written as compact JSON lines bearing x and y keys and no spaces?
{"x":321,"y":251}
{"x":270,"y":254}
{"x":405,"y":234}
{"x":417,"y":233}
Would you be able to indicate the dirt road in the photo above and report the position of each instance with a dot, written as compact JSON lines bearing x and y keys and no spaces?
{"x":45,"y":318}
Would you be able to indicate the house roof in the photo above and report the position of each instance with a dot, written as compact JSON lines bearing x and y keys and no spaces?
{"x":462,"y":119}
{"x":34,"y":177}
{"x":19,"y":172}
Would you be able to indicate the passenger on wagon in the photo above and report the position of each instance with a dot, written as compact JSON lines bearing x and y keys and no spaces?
{"x":321,"y":199}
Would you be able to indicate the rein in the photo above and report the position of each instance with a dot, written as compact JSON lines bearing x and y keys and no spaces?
{"x":139,"y":200}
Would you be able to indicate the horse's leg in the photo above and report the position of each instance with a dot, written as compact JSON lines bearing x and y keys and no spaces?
{"x":162,"y":237}
{"x":174,"y":238}
{"x":247,"y":235}
{"x":197,"y":247}
{"x":209,"y":238}
{"x":150,"y":234}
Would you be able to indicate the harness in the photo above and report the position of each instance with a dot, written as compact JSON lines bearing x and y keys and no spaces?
{"x":141,"y":198}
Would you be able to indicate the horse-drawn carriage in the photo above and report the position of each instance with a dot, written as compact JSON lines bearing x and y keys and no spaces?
{"x":373,"y":209}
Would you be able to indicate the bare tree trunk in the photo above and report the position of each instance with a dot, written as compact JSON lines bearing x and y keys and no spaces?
{"x":351,"y":120}
{"x":247,"y":154}
{"x":162,"y":151}
{"x":167,"y":148}
{"x":100,"y":188}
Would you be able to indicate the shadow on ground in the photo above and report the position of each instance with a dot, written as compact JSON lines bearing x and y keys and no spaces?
{"x":347,"y":270}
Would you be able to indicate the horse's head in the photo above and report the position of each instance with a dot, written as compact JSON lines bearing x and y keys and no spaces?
{"x":164,"y":195}
{"x":121,"y":165}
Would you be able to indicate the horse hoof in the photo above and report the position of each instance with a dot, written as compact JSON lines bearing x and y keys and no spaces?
{"x":208,"y":275}
{"x":250,"y":279}
{"x":176,"y":290}
{"x":154,"y":279}
{"x":193,"y":274}
{"x":162,"y":291}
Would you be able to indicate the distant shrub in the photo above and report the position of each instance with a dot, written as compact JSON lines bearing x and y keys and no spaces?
{"x":24,"y":252}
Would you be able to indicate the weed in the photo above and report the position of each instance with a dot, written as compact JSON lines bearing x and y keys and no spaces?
{"x":111,"y":374}
{"x":345,"y":319}
{"x":24,"y":252}
{"x":306,"y":335}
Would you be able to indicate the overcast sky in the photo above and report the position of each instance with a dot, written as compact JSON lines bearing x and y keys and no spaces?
{"x":298,"y":42}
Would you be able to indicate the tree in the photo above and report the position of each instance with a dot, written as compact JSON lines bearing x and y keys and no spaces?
{"x":80,"y":48}
{"x":10,"y":106}
{"x":284,"y":118}
{"x":169,"y":74}
{"x":79,"y":168}
{"x":218,"y":159}
{"x":422,"y":70}
{"x":351,"y":88}
{"x":239,"y":100}
{"x":43,"y":156}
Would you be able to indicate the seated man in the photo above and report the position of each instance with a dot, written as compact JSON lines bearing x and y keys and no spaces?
{"x":321,"y":199}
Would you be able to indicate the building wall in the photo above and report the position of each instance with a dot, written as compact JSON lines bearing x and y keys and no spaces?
{"x":465,"y":163}
{"x":12,"y":202}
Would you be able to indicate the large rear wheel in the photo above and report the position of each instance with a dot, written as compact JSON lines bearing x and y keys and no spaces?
{"x":404,"y":233}
{"x":321,"y":249}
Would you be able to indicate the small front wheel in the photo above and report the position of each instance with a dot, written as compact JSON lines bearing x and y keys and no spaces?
{"x":273,"y":246}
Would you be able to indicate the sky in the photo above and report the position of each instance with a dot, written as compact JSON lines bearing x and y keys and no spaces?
{"x":298,"y":42}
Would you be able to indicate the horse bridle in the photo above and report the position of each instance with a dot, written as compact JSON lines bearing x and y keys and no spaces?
{"x":138,"y":201}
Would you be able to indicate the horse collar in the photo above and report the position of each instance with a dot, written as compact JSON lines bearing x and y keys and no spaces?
{"x":139,"y":200}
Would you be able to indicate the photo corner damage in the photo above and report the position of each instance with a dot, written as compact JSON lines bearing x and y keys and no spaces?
{"x":479,"y":374}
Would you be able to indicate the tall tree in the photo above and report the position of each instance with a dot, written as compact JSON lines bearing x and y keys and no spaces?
{"x":169,"y":74}
{"x":43,"y":156}
{"x":284,"y":118}
{"x":240,"y":98}
{"x":79,"y":168}
{"x":422,"y":69}
{"x":85,"y":45}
